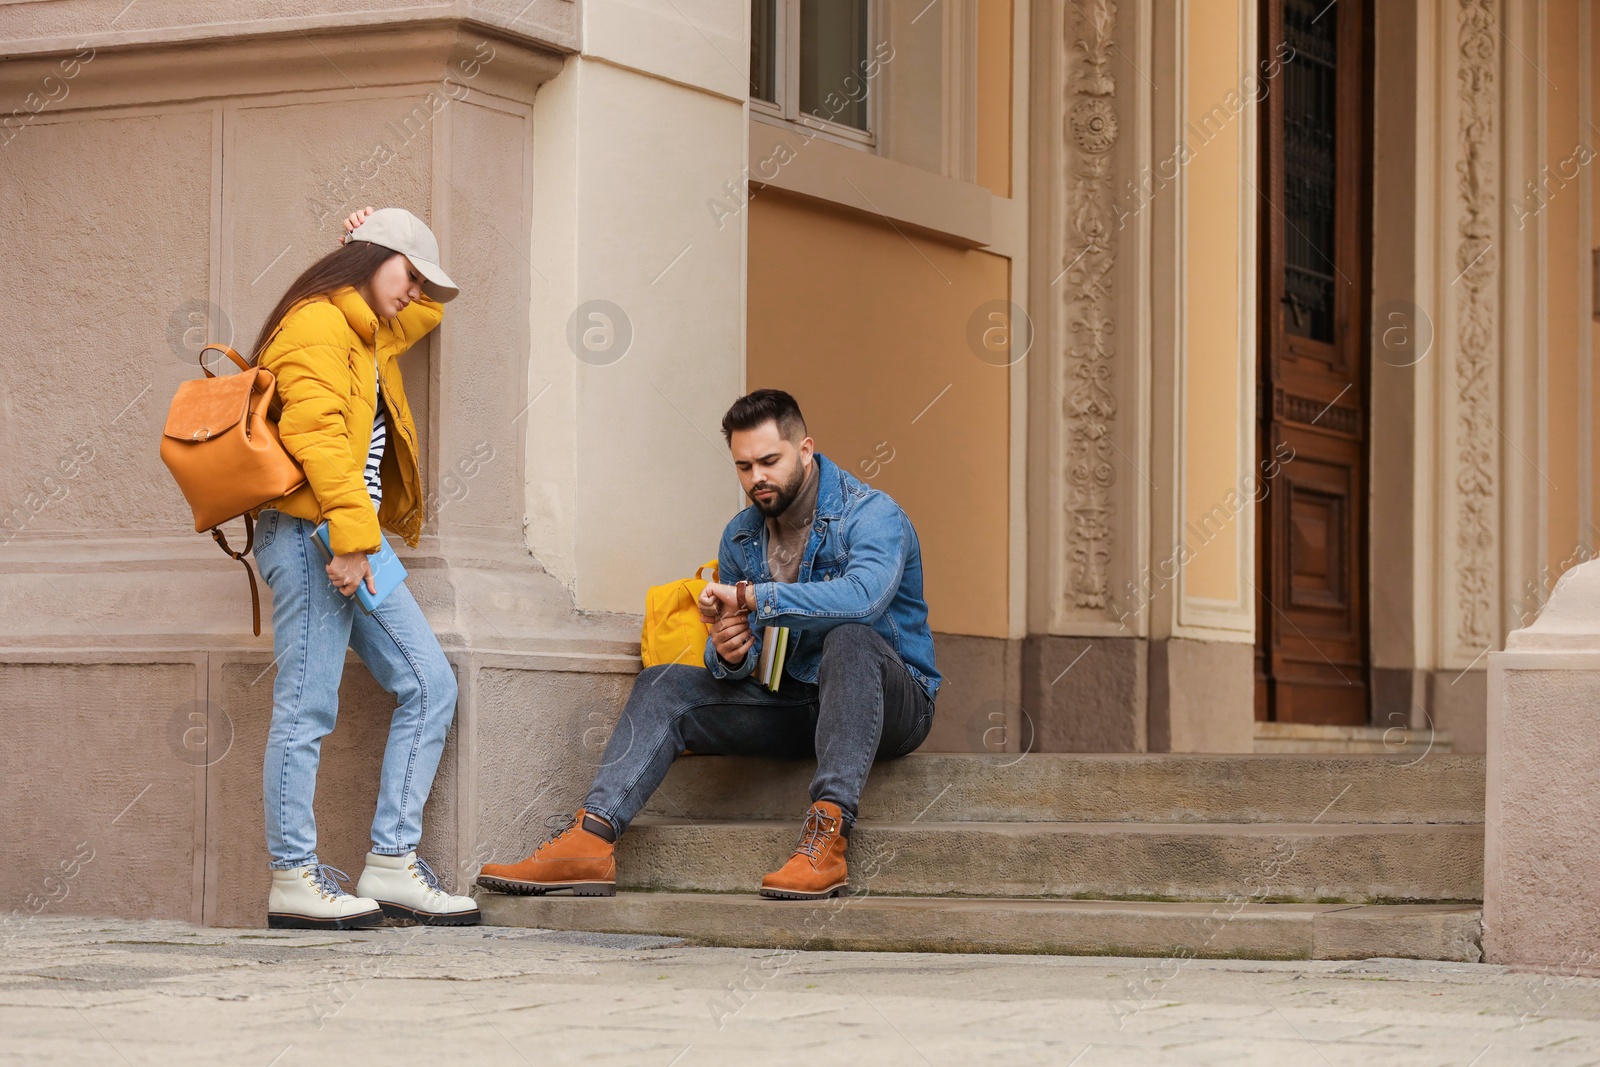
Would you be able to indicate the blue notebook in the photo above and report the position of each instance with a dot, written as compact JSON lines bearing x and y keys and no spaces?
{"x":387,"y":570}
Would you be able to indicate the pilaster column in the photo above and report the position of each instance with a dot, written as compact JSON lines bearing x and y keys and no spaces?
{"x":1084,"y":665}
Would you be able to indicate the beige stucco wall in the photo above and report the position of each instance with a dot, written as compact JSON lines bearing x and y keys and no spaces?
{"x":1565,"y":304}
{"x":1551,"y":462}
{"x":1218,"y":342}
{"x":141,"y":185}
{"x":629,"y":480}
{"x":1399,"y":636}
{"x":868,"y":327}
{"x":994,"y":95}
{"x":1591,"y":330}
{"x":101,"y":816}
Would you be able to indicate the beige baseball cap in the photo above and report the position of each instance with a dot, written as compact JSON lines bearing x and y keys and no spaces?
{"x":400,"y":230}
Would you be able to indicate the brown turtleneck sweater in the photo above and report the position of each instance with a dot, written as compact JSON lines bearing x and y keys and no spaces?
{"x":787,"y":532}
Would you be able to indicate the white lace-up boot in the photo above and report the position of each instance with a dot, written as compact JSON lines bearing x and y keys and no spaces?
{"x":405,"y":887}
{"x":312,"y":898}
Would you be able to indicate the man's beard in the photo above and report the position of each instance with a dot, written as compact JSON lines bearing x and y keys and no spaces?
{"x":784,"y":495}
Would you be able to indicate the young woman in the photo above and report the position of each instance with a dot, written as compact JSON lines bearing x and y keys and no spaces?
{"x":332,"y":343}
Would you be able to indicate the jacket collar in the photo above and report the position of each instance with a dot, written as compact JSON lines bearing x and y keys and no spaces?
{"x":830,"y":489}
{"x":830,"y":499}
{"x":362,"y":319}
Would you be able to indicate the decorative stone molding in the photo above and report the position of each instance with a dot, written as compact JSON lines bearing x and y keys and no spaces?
{"x":1088,"y":367}
{"x":1473,"y":373}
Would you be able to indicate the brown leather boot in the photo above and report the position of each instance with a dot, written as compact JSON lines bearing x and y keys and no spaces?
{"x":574,"y":859}
{"x":817,"y":869}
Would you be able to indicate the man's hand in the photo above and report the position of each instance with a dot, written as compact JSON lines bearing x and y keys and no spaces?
{"x":732,"y":637}
{"x":348,"y":571}
{"x":716,"y":601}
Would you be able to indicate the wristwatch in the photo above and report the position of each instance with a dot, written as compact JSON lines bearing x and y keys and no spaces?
{"x":738,"y":595}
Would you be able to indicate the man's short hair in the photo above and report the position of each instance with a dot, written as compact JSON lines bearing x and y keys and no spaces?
{"x":761,"y":406}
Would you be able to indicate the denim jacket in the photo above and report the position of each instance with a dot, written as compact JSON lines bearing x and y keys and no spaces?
{"x":862,"y":563}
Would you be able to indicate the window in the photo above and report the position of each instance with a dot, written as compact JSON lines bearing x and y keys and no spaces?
{"x":812,"y":62}
{"x":1310,"y":167}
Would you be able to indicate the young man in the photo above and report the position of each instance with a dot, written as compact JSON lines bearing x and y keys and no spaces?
{"x":837,"y":563}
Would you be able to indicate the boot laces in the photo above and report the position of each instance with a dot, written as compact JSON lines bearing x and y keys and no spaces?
{"x":425,"y":872}
{"x":815,"y":834}
{"x":560,"y":826}
{"x":328,"y":881}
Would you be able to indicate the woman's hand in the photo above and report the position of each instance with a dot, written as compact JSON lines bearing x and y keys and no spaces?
{"x":350,"y":224}
{"x":348,"y":571}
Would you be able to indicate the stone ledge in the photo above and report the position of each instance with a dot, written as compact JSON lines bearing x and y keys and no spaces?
{"x":1073,"y":927}
{"x":43,"y":29}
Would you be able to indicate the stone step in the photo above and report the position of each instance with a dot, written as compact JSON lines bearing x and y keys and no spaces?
{"x":1283,"y":737}
{"x":1313,"y":863}
{"x":1172,"y":931}
{"x":1061,"y":787}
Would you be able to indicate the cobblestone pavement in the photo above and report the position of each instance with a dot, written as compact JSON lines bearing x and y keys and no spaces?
{"x":124,"y":992}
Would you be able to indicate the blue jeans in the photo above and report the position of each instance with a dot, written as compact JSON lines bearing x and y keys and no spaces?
{"x":312,"y":625}
{"x":864,"y":706}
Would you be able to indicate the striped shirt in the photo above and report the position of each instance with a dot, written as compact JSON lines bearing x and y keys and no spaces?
{"x":380,"y":438}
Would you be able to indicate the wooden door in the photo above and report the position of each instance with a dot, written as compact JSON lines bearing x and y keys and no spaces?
{"x":1311,"y":647}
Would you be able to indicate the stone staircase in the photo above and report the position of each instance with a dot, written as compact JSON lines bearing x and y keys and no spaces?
{"x":1264,"y":856}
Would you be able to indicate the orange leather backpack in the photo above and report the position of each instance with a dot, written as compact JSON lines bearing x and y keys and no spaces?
{"x":224,"y":453}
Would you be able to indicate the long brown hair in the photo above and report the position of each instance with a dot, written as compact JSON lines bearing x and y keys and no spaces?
{"x":352,"y":264}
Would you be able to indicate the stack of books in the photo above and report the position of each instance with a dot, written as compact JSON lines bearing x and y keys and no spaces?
{"x":774,"y":647}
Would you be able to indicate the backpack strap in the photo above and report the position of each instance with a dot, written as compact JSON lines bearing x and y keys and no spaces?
{"x":249,"y":542}
{"x":225,"y":350}
{"x":275,"y":412}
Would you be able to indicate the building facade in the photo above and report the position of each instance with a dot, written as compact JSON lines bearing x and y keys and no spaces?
{"x":1234,"y":359}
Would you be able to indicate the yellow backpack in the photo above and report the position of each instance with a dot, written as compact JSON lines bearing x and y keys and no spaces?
{"x":673,"y":632}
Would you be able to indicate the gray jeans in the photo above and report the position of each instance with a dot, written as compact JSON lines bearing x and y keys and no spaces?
{"x":864,"y":706}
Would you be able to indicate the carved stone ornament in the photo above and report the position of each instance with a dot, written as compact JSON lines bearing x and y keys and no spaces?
{"x":1094,"y":125}
{"x":1474,"y":371}
{"x":1089,"y":260}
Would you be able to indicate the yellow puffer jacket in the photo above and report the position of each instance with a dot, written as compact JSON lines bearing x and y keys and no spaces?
{"x":323,"y":356}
